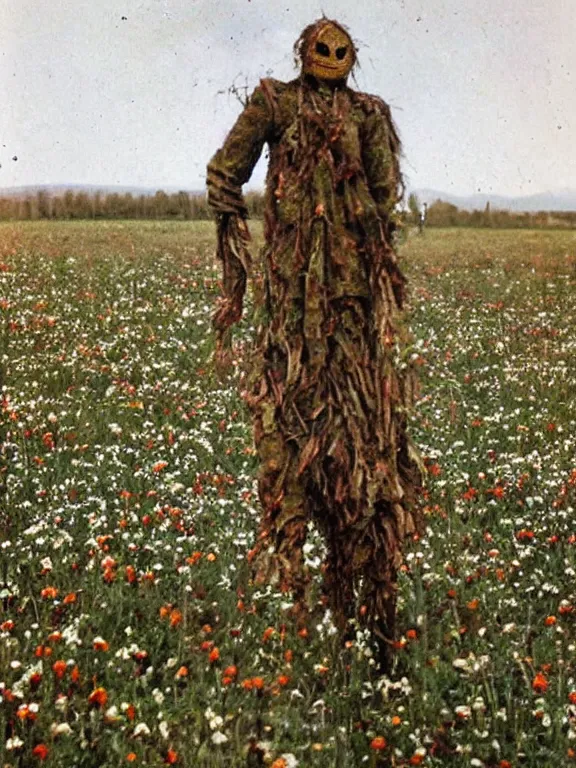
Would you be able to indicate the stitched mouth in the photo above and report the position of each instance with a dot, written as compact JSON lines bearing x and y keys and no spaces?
{"x":328,"y":66}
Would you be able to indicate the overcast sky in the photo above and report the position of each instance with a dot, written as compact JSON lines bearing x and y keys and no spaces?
{"x":483,"y":91}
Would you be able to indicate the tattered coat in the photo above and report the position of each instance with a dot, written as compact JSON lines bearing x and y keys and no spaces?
{"x":329,"y":387}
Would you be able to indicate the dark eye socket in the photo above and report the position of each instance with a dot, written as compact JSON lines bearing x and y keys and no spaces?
{"x":322,"y":49}
{"x":341,"y":52}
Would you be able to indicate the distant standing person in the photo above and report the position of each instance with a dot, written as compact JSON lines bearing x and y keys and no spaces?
{"x":328,"y":398}
{"x":422,"y":217}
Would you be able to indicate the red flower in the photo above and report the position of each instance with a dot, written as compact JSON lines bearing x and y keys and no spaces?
{"x":539,"y":684}
{"x":98,"y":697}
{"x":59,"y":669}
{"x":378,"y":743}
{"x":525,"y":535}
{"x":40,"y":751}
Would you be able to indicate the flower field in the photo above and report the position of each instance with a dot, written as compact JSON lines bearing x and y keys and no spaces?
{"x":129,"y":630}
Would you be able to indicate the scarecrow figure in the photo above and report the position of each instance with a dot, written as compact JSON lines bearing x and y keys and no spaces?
{"x":327,"y":388}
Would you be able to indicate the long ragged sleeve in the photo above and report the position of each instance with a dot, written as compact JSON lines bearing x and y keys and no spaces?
{"x":227,"y":171}
{"x":381,"y":161}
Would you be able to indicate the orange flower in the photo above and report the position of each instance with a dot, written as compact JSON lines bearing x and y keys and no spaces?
{"x":75,"y":674}
{"x":130,"y":572}
{"x":473,"y":604}
{"x":504,"y":764}
{"x":59,"y":669}
{"x":207,"y":629}
{"x":49,"y":593}
{"x":283,"y":680}
{"x":288,"y":656}
{"x":539,"y":684}
{"x":412,"y":634}
{"x":131,"y":757}
{"x":378,"y":743}
{"x":149,"y":576}
{"x":25,"y":713}
{"x":7,"y":626}
{"x":100,"y":644}
{"x":131,"y":712}
{"x":194,"y":557}
{"x":175,"y":617}
{"x":416,"y":759}
{"x":396,"y":721}
{"x":253,"y":682}
{"x":214,"y":655}
{"x":171,"y":757}
{"x":211,"y":557}
{"x":206,"y":645}
{"x":40,"y":751}
{"x":279,"y":763}
{"x":231,"y":671}
{"x":572,"y":697}
{"x":182,"y":672}
{"x":98,"y":697}
{"x":159,"y":466}
{"x":267,"y":634}
{"x":70,"y":598}
{"x":550,"y":621}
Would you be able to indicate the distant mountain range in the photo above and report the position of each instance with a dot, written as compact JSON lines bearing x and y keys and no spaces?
{"x":557,"y":200}
{"x":553,"y":200}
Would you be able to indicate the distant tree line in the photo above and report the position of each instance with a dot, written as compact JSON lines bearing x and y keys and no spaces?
{"x":186,"y":206}
{"x":82,"y":205}
{"x":442,"y":214}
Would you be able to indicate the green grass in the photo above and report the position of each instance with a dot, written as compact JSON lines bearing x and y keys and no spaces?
{"x":129,"y":487}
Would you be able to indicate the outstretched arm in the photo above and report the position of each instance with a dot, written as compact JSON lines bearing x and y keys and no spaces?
{"x":227,"y":171}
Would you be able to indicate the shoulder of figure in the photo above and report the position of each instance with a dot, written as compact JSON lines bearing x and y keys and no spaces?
{"x":371,"y":104}
{"x":271,"y":88}
{"x":375,"y":106}
{"x":274,"y":94}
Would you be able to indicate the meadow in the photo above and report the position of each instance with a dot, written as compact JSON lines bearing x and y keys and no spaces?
{"x":130,"y":632}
